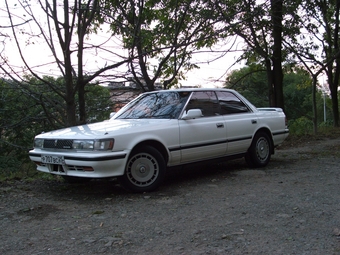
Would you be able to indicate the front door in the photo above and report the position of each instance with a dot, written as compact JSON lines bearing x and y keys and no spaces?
{"x":205,"y":137}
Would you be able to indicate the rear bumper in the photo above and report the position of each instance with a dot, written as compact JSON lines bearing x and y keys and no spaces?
{"x":279,"y":137}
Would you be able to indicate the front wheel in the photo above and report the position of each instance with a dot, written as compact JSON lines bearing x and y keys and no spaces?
{"x":260,"y":150}
{"x":144,"y":171}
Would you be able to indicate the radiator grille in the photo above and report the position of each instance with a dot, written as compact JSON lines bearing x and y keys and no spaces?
{"x":58,"y":144}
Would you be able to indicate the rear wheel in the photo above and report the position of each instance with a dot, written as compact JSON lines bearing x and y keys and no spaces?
{"x":144,"y":171}
{"x":260,"y":150}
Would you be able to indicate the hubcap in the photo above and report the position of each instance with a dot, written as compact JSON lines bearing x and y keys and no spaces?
{"x":142,"y":170}
{"x":262,"y":149}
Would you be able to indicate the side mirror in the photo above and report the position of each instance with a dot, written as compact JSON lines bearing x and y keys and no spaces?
{"x":112,"y":114}
{"x":192,"y":114}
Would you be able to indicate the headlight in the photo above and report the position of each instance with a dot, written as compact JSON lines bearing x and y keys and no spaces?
{"x":104,"y":144}
{"x":93,"y":144}
{"x":83,"y":144}
{"x":38,"y":143}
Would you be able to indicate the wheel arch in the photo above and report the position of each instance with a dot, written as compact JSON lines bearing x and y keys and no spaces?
{"x":154,"y":143}
{"x":267,"y":131}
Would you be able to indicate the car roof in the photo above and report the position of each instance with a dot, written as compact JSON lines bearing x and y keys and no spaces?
{"x":193,"y":89}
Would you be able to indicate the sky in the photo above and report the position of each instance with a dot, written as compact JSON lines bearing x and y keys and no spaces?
{"x":213,"y":70}
{"x":210,"y":74}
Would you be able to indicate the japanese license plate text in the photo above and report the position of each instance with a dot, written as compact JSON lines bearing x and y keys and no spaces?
{"x":56,"y":160}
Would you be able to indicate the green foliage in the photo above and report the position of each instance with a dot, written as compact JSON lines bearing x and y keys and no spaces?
{"x":326,"y":125}
{"x":28,"y":108}
{"x":18,"y":120}
{"x":300,"y":126}
{"x":251,"y":82}
{"x":9,"y":164}
{"x":98,"y":103}
{"x":12,"y":168}
{"x":297,"y":94}
{"x":163,"y":35}
{"x":254,"y":22}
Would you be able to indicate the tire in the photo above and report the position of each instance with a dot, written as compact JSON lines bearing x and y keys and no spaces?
{"x":260,"y":150}
{"x":144,"y":171}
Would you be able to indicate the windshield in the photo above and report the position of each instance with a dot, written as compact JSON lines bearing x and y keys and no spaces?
{"x":158,"y":105}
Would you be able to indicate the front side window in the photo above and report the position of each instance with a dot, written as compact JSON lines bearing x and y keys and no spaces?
{"x":230,"y":104}
{"x":206,"y":101}
{"x":159,"y":105}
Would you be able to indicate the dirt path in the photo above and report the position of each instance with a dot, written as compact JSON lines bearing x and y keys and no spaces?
{"x":290,"y":207}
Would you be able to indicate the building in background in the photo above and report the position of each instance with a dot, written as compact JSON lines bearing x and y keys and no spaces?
{"x":123,"y":92}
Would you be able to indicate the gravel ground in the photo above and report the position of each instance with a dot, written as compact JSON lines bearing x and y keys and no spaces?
{"x":292,"y":206}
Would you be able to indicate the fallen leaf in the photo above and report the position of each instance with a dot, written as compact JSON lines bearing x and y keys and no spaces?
{"x":98,"y":212}
{"x":336,"y":232}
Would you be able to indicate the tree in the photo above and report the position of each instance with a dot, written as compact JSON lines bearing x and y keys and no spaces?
{"x":317,"y":48}
{"x":24,"y":115}
{"x":299,"y":94}
{"x":297,"y":87}
{"x":19,"y":117}
{"x":162,"y":36}
{"x":63,"y":30}
{"x":250,"y":81}
{"x":326,"y":16}
{"x":262,"y":25}
{"x":277,"y":28}
{"x":18,"y":125}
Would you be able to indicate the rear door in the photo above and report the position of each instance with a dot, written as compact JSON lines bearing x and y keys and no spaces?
{"x":240,"y":122}
{"x":204,"y":137}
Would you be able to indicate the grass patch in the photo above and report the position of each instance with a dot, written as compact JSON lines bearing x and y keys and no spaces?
{"x":21,"y":171}
{"x":324,"y":133}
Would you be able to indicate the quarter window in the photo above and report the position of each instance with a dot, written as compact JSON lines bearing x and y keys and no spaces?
{"x":230,"y":103}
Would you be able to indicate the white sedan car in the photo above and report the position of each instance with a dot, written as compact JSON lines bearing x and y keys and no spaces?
{"x":162,"y":129}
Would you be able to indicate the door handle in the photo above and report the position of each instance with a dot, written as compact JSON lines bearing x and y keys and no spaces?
{"x":253,"y":121}
{"x":219,"y":125}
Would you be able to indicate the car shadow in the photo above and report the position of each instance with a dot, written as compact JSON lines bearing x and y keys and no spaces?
{"x":176,"y":178}
{"x":202,"y":171}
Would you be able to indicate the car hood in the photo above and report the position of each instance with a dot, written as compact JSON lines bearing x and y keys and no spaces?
{"x":104,"y":129}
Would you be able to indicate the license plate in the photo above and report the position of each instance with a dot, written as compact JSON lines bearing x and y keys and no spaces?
{"x":56,"y":160}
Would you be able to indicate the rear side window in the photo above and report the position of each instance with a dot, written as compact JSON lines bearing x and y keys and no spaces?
{"x":230,"y":104}
{"x":206,"y":101}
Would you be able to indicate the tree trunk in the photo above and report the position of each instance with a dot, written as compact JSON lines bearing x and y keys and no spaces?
{"x":271,"y":95}
{"x":315,"y":115}
{"x":80,"y":81}
{"x":334,"y":84}
{"x":335,"y":103}
{"x":70,"y":101}
{"x":277,"y":52}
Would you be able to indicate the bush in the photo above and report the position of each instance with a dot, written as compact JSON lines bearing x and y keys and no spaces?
{"x":8,"y":164}
{"x":300,"y":126}
{"x":13,"y":167}
{"x":327,"y":124}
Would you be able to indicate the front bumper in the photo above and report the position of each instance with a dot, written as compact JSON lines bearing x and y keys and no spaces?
{"x":82,"y":164}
